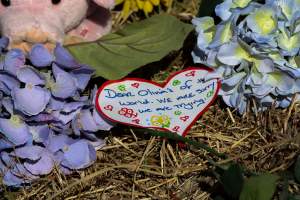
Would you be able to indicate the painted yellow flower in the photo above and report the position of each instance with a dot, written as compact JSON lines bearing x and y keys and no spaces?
{"x":162,"y":121}
{"x":130,"y":6}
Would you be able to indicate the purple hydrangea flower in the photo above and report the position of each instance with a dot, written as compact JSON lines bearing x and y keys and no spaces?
{"x":45,"y":119}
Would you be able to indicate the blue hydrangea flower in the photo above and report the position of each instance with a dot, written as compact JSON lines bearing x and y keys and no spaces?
{"x":253,"y":50}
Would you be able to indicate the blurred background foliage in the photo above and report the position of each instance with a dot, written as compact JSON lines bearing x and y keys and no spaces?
{"x":128,"y":10}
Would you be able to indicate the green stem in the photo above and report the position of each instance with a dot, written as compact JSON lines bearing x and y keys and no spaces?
{"x":177,"y":137}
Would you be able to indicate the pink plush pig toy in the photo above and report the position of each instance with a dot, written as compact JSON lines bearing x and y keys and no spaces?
{"x":26,"y":22}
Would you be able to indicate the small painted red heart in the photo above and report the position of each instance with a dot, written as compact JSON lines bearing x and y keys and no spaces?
{"x":176,"y":128}
{"x":184,"y":118}
{"x":192,"y":73}
{"x":137,"y":121}
{"x":136,"y":85}
{"x":109,"y":107}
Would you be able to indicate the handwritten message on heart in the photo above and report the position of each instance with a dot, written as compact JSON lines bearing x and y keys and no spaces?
{"x":174,"y":106}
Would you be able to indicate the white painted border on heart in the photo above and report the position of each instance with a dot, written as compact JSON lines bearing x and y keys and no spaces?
{"x":98,"y":107}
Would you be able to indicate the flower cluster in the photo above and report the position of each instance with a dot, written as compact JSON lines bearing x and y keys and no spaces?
{"x":254,"y":50}
{"x":147,"y":6}
{"x":45,"y":121}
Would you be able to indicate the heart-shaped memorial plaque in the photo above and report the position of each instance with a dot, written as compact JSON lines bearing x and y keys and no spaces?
{"x":174,"y":106}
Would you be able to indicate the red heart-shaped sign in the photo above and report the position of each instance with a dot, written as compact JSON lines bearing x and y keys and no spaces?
{"x":173,"y":106}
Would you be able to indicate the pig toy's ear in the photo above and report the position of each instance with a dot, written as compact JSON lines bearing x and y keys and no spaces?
{"x":105,"y":3}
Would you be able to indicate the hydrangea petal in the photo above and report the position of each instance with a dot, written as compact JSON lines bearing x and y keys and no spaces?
{"x":102,"y":123}
{"x":235,"y":98}
{"x":87,"y":121}
{"x":65,"y":84}
{"x":234,"y":79}
{"x":72,"y":106}
{"x":4,"y":144}
{"x":264,"y":65}
{"x":15,"y":131}
{"x":290,"y":45}
{"x":30,"y":75}
{"x":43,"y":166}
{"x":224,"y":33}
{"x":59,"y":142}
{"x":262,"y":21}
{"x":93,"y":95}
{"x":217,"y":73}
{"x":31,"y":100}
{"x":263,"y":39}
{"x":55,"y":104}
{"x":226,"y":99}
{"x":28,"y":152}
{"x":40,"y":56}
{"x":82,"y":77}
{"x":4,"y":88}
{"x":240,"y":3}
{"x":7,"y":159}
{"x":10,"y":179}
{"x":20,"y":171}
{"x":297,"y":85}
{"x":288,"y":8}
{"x":227,"y":90}
{"x":14,"y":60}
{"x":61,"y":128}
{"x":8,"y":104}
{"x":223,"y":10}
{"x":232,"y":54}
{"x":242,"y":106}
{"x":203,"y":23}
{"x":40,"y":133}
{"x":267,"y":101}
{"x":3,"y":168}
{"x":97,"y":144}
{"x":262,"y":90}
{"x":257,"y":79}
{"x":275,"y":78}
{"x":65,"y":117}
{"x":58,"y":156}
{"x":42,"y":117}
{"x":64,"y":59}
{"x":89,"y":136}
{"x":289,"y":69}
{"x":284,"y":103}
{"x":9,"y":80}
{"x":285,"y":86}
{"x":84,"y":99}
{"x":76,"y":125}
{"x":79,"y":155}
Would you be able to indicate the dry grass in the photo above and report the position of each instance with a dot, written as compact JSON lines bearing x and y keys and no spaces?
{"x":139,"y":166}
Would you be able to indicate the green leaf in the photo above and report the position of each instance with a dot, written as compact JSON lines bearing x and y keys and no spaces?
{"x":259,"y":187}
{"x":219,"y":198}
{"x":116,"y":55}
{"x":297,"y":170}
{"x":296,"y":197}
{"x":232,"y":180}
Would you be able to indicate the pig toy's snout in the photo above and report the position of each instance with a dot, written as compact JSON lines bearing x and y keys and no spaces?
{"x":32,"y":36}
